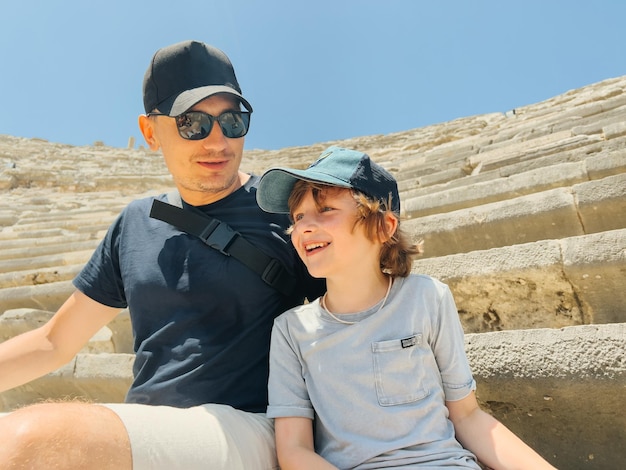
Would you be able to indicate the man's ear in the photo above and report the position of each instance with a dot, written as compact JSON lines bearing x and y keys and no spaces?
{"x":146,"y":126}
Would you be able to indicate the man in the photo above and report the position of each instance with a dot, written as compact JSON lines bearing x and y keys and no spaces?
{"x":201,"y":319}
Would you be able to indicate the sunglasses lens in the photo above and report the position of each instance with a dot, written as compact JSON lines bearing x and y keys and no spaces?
{"x":194,"y":125}
{"x":234,"y":124}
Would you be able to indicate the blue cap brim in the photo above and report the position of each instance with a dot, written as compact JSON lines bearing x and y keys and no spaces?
{"x":276,"y":184}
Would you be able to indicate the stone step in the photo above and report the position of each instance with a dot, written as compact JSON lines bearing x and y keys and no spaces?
{"x":66,"y":218}
{"x":49,"y":239}
{"x":47,"y":297}
{"x":607,"y":158}
{"x":590,"y":207}
{"x":46,"y":261}
{"x":544,"y":284}
{"x":31,"y":277}
{"x":66,"y":223}
{"x":471,"y":194}
{"x":497,"y":146}
{"x":558,"y":389}
{"x":549,"y":144}
{"x":31,"y":251}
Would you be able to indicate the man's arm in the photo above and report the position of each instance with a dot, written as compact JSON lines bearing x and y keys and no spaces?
{"x":492,"y":442}
{"x":35,"y":353}
{"x":294,"y":445}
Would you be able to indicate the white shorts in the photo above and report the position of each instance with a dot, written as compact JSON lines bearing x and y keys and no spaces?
{"x":203,"y":437}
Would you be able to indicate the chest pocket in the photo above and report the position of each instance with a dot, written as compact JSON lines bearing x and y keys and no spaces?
{"x":399,"y":370}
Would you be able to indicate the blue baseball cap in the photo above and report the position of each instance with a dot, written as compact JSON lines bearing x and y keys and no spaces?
{"x":336,"y":166}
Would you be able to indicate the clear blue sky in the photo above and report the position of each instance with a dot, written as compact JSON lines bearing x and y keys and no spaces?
{"x":71,"y":71}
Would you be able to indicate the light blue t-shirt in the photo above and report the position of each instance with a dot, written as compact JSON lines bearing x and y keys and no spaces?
{"x":376,"y":389}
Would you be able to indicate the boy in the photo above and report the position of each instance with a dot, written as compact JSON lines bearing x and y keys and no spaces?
{"x":373,"y":374}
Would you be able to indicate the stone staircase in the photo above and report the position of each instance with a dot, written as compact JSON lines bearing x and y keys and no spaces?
{"x":523,"y":214}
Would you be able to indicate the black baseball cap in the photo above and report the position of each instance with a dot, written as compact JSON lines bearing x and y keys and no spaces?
{"x":336,"y":166}
{"x":185,"y":73}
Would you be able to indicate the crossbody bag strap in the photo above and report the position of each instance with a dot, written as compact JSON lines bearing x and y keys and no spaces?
{"x":221,"y":237}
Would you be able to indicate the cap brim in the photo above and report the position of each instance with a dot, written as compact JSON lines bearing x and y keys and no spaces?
{"x":189,"y":98}
{"x":276,"y":184}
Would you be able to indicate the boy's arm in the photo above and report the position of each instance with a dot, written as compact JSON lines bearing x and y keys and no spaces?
{"x":35,"y":353}
{"x":294,"y":445}
{"x":492,"y":442}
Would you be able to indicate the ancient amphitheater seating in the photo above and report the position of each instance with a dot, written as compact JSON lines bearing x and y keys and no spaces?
{"x":523,"y":214}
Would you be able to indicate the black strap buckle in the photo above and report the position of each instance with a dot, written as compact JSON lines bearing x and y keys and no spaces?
{"x":223,"y":238}
{"x":219,"y":236}
{"x":272,"y":272}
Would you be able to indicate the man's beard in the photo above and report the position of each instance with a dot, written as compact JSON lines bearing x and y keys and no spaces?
{"x":204,"y":186}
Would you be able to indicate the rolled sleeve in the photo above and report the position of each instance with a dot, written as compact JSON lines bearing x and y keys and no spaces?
{"x":449,"y":350}
{"x":287,"y":392}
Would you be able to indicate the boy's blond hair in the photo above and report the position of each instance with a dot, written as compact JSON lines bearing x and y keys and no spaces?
{"x":398,"y":250}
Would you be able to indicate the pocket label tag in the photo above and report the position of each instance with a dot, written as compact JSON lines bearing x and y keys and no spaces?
{"x":408,"y":342}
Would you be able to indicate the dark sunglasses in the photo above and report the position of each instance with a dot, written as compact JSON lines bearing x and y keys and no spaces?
{"x":197,"y":125}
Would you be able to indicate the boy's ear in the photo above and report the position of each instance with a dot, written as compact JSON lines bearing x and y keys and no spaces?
{"x":391,"y":225}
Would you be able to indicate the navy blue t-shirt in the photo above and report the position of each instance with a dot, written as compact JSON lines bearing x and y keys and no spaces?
{"x":201,"y":320}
